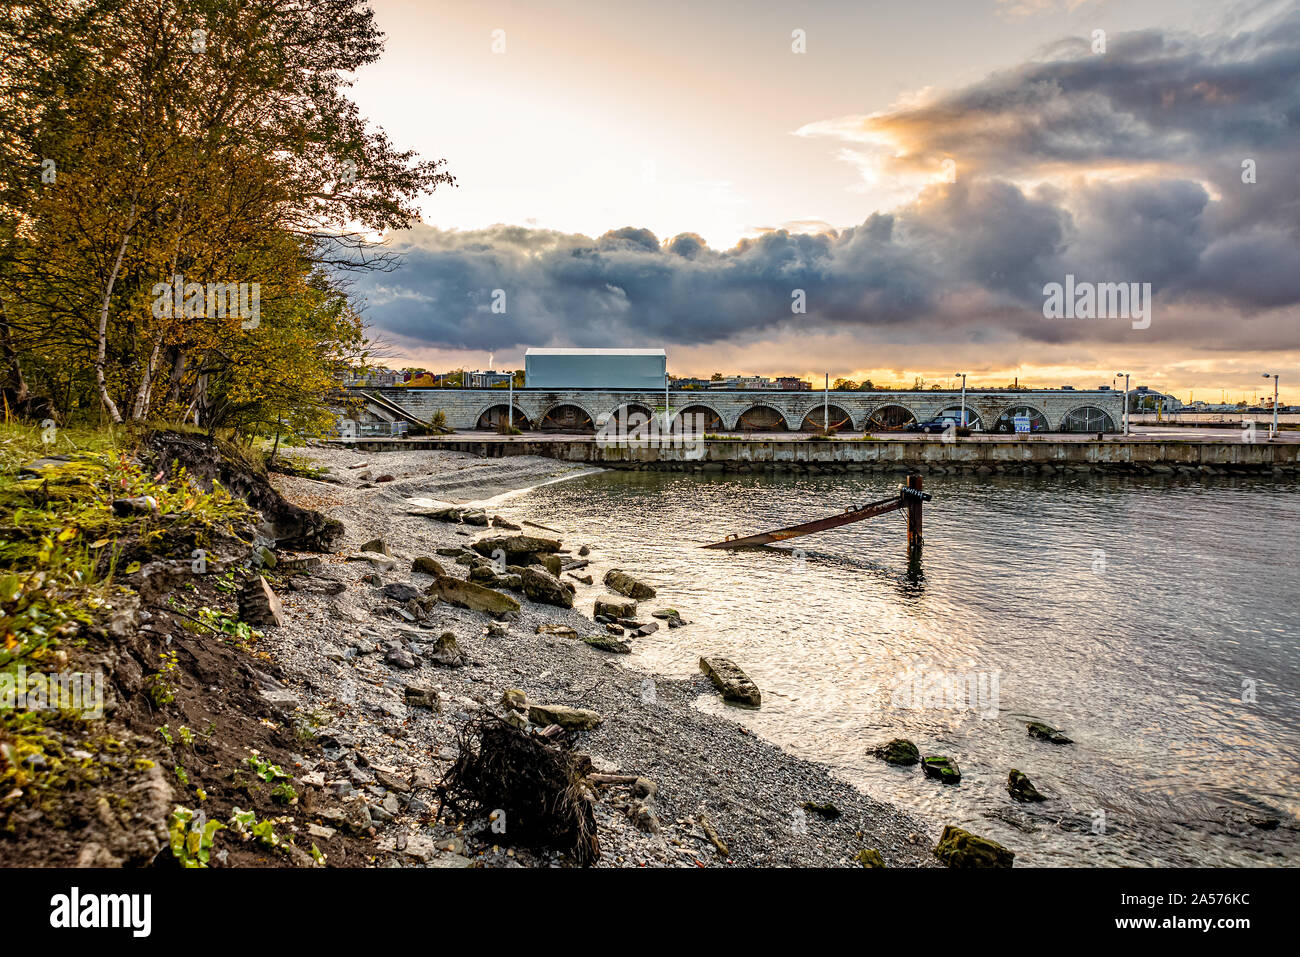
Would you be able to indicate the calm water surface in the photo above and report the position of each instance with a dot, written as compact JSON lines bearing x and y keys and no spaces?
{"x":1133,"y":614}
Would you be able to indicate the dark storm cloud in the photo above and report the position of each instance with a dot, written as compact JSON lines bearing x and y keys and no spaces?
{"x":1175,"y":114}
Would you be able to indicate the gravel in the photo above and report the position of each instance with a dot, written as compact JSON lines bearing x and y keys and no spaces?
{"x":348,"y":658}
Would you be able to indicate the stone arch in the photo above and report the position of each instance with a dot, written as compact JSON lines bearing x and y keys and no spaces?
{"x":954,"y":412}
{"x":1087,"y":418}
{"x":1004,"y":421}
{"x":840,"y":418}
{"x":713,"y":421}
{"x":762,"y":417}
{"x":492,"y":416}
{"x":889,"y":417}
{"x":566,"y":417}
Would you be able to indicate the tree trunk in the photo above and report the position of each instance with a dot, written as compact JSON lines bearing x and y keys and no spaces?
{"x":101,"y":356}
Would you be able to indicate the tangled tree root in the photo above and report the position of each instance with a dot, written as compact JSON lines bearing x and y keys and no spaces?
{"x":531,"y":785}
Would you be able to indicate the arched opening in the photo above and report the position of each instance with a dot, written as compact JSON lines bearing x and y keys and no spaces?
{"x":1088,"y":418}
{"x":566,"y":418}
{"x":889,"y":418}
{"x":1007,"y":420}
{"x":954,"y":412}
{"x":499,"y":416}
{"x":632,"y":420}
{"x":761,"y":418}
{"x":834,"y":415}
{"x":696,"y":418}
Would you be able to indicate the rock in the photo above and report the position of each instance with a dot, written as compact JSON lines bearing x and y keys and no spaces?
{"x":869,"y":857}
{"x":515,"y":547}
{"x":1047,"y":733}
{"x":499,"y":522}
{"x":546,"y":588}
{"x":496,"y":628}
{"x":551,"y":563}
{"x":606,"y":643}
{"x":826,"y":809}
{"x":422,"y":698}
{"x":140,"y":505}
{"x":376,"y":545}
{"x":614,"y":608}
{"x":727,"y":677}
{"x":649,"y":628}
{"x":475,"y":597}
{"x":513,"y":582}
{"x":1020,"y":787}
{"x":385,"y":478}
{"x":483,"y":574}
{"x":584,"y":551}
{"x":427,"y":566}
{"x":446,"y":652}
{"x":898,"y":751}
{"x":664,"y":613}
{"x":263,"y":557}
{"x":623,"y":583}
{"x":585,"y":579}
{"x":401,"y":658}
{"x":474,"y":516}
{"x":258,"y":604}
{"x":378,"y":559}
{"x":559,"y":631}
{"x":614,"y":628}
{"x":571,"y":719}
{"x":512,"y":699}
{"x":401,"y":592}
{"x":959,"y":848}
{"x":942,"y":767}
{"x":393,"y":781}
{"x":450,"y":551}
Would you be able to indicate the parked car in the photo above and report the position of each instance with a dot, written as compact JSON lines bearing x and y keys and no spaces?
{"x":931,"y":425}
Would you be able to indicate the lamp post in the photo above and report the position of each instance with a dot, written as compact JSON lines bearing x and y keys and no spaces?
{"x":1272,"y":433}
{"x":963,"y":396}
{"x":826,"y":406}
{"x":1125,"y":375}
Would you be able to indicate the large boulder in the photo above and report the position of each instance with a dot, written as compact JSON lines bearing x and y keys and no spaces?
{"x":899,"y":751}
{"x":623,"y":583}
{"x":942,"y":767}
{"x":544,"y":587}
{"x":1021,"y":788}
{"x":427,"y":566}
{"x":959,"y":848}
{"x":734,"y":684}
{"x":611,"y":608}
{"x":465,"y":594}
{"x":1047,"y":733}
{"x":515,"y":547}
{"x":258,"y":604}
{"x":571,"y":719}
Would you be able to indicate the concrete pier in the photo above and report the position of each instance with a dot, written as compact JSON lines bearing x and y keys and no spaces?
{"x":982,"y":454}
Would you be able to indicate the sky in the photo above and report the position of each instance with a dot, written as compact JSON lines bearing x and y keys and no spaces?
{"x":913,"y":175}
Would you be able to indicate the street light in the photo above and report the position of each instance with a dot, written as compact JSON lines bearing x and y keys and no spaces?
{"x":963,"y":396}
{"x":1272,"y":433}
{"x":1125,"y":375}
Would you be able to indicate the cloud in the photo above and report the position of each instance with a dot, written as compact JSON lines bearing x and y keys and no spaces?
{"x":1122,"y":167}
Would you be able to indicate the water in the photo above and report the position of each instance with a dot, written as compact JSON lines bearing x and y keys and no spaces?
{"x":1135,"y":614}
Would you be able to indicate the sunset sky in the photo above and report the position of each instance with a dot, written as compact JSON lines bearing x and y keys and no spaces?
{"x":666,"y":175}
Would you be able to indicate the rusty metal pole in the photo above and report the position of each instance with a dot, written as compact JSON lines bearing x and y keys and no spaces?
{"x":914,"y":519}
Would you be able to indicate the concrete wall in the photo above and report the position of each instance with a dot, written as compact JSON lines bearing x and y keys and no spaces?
{"x":463,"y":407}
{"x":1012,"y":455}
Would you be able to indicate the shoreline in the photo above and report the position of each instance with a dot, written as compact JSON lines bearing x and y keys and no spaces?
{"x":751,"y":790}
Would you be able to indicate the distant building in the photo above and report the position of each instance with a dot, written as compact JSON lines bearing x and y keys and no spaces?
{"x":486,"y":380}
{"x":788,"y":383}
{"x":595,"y":368}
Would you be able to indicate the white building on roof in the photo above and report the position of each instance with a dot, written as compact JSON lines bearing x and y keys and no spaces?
{"x":595,"y":368}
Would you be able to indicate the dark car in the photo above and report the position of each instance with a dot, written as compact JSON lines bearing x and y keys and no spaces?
{"x":932,"y":425}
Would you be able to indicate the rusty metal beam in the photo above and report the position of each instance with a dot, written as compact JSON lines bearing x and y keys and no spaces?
{"x":855,"y":514}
